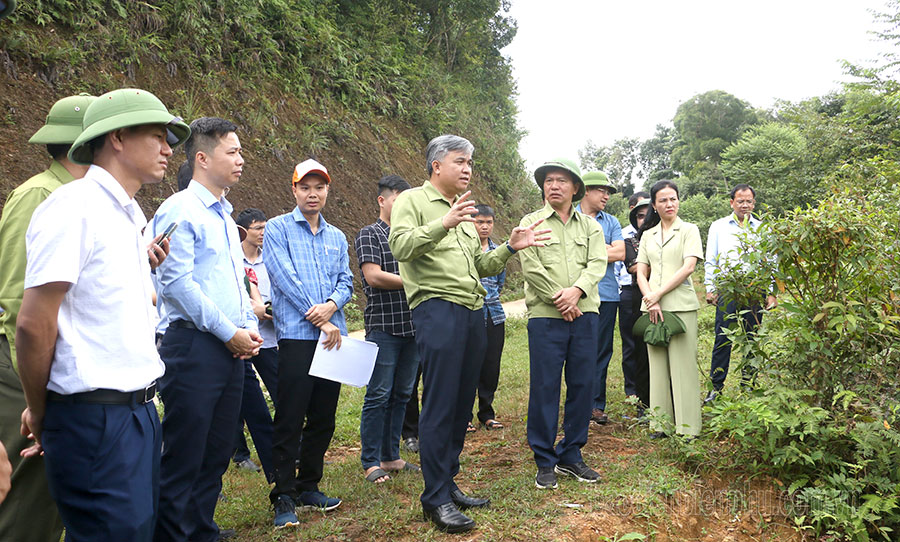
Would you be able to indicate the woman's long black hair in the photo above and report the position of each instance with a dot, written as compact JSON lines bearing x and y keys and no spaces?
{"x":652,"y":218}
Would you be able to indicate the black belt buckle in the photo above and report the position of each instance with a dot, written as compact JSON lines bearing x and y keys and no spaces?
{"x":148,"y":393}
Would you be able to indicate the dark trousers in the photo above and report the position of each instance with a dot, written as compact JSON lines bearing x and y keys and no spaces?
{"x":490,"y":369}
{"x":255,"y":411}
{"x":28,"y":514}
{"x":201,"y":391}
{"x":301,"y":398}
{"x":556,"y":346}
{"x":726,"y":315}
{"x":451,"y":340}
{"x":103,"y":469}
{"x":411,"y":417}
{"x":606,"y":325}
{"x":635,"y":363}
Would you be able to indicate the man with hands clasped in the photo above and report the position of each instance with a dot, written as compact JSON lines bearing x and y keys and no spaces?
{"x":211,"y":329}
{"x":441,"y":261}
{"x":562,"y":298}
{"x":309,"y":269}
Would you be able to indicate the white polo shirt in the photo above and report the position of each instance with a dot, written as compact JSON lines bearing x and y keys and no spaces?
{"x":88,"y":233}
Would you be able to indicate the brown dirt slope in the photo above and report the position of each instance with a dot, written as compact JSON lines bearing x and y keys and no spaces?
{"x":356,"y":156}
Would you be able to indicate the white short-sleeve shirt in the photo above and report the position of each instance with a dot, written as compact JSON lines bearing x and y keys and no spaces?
{"x":88,"y":233}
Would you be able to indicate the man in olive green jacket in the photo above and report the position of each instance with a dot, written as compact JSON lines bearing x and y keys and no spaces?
{"x":434,"y":239}
{"x":562,"y":299}
{"x":29,"y":513}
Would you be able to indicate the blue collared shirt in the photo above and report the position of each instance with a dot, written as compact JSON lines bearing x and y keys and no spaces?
{"x":202,"y":279}
{"x":305,"y":269}
{"x":492,"y":307}
{"x":608,"y":287}
{"x":722,"y":246}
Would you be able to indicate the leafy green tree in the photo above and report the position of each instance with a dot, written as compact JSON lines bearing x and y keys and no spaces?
{"x":705,"y":125}
{"x":655,"y":156}
{"x":771,"y":158}
{"x":619,"y":161}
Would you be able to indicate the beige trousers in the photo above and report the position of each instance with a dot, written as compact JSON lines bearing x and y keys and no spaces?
{"x":675,"y":381}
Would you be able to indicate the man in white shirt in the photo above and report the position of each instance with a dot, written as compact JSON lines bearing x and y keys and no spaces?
{"x":722,"y":252}
{"x":88,"y":362}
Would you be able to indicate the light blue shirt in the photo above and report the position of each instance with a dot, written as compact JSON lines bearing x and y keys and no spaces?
{"x":722,"y":246}
{"x":622,"y":274}
{"x":608,"y":287}
{"x":305,"y":269}
{"x":266,"y":327}
{"x":202,"y":279}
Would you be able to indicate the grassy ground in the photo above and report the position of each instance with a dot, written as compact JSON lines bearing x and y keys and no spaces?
{"x":644,"y":491}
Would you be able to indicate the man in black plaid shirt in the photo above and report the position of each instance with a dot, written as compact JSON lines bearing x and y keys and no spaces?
{"x":389,"y":325}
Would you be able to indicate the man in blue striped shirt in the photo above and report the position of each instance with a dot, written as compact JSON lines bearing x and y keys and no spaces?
{"x":309,"y":269}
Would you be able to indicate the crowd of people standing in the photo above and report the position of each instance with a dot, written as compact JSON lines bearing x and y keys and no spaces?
{"x":196,"y":304}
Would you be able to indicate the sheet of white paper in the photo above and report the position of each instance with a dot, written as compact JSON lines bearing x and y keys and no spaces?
{"x":352,"y":364}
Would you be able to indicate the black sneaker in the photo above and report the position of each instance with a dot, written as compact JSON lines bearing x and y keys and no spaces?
{"x":579,"y":470}
{"x":546,"y":478}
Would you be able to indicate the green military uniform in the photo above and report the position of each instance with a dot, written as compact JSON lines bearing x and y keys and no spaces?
{"x":28,"y":513}
{"x":575,"y":255}
{"x":441,"y":271}
{"x":674,"y":380}
{"x":29,"y":484}
{"x":434,"y":262}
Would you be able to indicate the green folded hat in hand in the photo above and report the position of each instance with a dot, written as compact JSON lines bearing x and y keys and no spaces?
{"x":660,"y":333}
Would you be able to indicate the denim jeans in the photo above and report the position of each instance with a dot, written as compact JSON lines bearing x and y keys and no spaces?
{"x":388,"y":392}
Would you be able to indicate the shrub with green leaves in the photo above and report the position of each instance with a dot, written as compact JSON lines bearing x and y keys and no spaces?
{"x":825,"y":417}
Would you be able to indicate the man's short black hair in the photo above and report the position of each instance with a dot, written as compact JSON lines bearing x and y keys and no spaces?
{"x":741,"y":187}
{"x":58,"y":151}
{"x":483,"y":210}
{"x":249,"y":216}
{"x":184,"y":175}
{"x":205,"y":135}
{"x":392,"y":183}
{"x":636,"y":197}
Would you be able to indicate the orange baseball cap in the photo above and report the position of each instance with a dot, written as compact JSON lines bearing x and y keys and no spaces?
{"x":306,"y":167}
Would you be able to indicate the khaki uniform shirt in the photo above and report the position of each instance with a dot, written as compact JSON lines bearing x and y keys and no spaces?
{"x":667,"y":257}
{"x":575,"y":255}
{"x":17,"y":211}
{"x":434,"y":262}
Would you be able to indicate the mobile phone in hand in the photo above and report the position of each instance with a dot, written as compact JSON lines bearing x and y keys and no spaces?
{"x":167,"y":233}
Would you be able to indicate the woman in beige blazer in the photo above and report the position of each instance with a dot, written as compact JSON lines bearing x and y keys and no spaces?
{"x":669,"y":251}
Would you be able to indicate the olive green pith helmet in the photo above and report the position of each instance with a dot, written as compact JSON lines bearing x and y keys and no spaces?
{"x":64,"y":121}
{"x":124,"y":108}
{"x":598,"y":178}
{"x":566,"y":165}
{"x":7,"y":7}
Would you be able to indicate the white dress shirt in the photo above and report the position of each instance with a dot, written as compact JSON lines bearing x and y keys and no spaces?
{"x":722,"y":246}
{"x":88,"y":234}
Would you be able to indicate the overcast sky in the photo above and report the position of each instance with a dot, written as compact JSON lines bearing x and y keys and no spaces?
{"x":604,"y":70}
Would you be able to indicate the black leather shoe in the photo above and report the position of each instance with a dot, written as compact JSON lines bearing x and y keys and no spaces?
{"x":449,"y":519}
{"x":710,"y":397}
{"x":464,"y":501}
{"x":226,"y":534}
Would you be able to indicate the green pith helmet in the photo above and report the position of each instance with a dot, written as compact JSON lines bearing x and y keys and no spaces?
{"x":566,"y":165}
{"x":7,"y":7}
{"x":632,"y":215}
{"x":598,"y":178}
{"x":64,"y":121}
{"x":124,"y":108}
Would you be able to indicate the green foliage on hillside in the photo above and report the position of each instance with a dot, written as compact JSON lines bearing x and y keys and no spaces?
{"x":435,"y":66}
